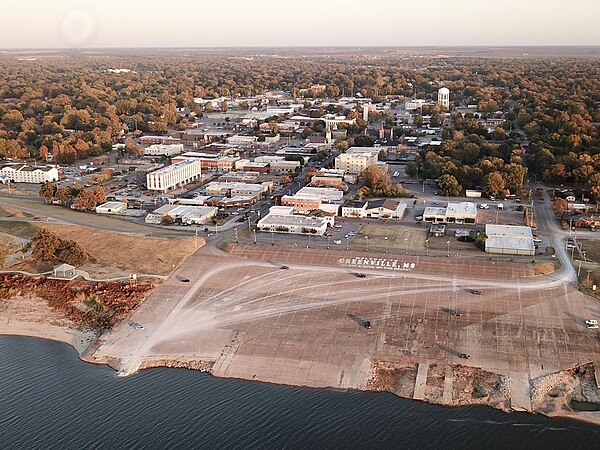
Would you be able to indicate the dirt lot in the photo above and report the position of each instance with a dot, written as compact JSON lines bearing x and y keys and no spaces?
{"x":398,"y":239}
{"x":591,"y":247}
{"x":390,"y":237}
{"x":143,"y":255}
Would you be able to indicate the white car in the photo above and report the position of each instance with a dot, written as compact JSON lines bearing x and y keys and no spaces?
{"x":591,"y":323}
{"x":484,"y":206}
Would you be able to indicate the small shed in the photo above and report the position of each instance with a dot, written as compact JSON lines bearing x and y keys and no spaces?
{"x":64,"y":271}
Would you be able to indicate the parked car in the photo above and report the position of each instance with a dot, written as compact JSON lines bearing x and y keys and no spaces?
{"x":456,"y":313}
{"x":476,"y":292}
{"x":591,"y":323}
{"x":360,"y":275}
{"x":284,"y":267}
{"x":367,"y":324}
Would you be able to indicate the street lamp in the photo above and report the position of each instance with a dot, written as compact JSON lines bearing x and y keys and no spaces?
{"x":272,"y":238}
{"x":367,"y":241}
{"x":406,"y":242}
{"x":448,"y":251}
{"x":347,"y":243}
{"x":254,"y":237}
{"x":236,"y":235}
{"x":427,"y":246}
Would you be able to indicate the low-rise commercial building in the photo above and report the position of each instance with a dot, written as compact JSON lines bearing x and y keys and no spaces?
{"x":281,"y":219}
{"x":327,"y":194}
{"x":509,"y":240}
{"x":112,"y":208}
{"x":242,"y":141}
{"x":385,"y":209}
{"x":163,"y":150}
{"x":174,"y":176}
{"x":240,"y":177}
{"x":184,"y":214}
{"x":23,"y":173}
{"x":355,"y":209}
{"x":236,"y":189}
{"x":463,"y":212}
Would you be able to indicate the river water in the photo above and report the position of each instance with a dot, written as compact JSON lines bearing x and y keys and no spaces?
{"x":51,"y":399}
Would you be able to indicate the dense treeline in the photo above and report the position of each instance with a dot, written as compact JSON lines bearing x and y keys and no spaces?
{"x":74,"y":107}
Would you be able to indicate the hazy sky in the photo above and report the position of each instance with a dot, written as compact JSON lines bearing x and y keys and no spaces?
{"x":207,"y":23}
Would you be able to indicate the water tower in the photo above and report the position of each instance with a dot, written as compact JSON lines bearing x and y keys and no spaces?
{"x":444,"y":97}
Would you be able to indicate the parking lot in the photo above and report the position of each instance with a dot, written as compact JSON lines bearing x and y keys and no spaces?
{"x":249,"y":319}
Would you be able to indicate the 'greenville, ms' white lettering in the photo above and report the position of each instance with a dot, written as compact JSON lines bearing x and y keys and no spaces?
{"x":377,"y":263}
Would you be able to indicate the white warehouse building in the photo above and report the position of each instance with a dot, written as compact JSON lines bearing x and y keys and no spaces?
{"x":281,"y":219}
{"x":173,"y":176}
{"x":509,"y":240}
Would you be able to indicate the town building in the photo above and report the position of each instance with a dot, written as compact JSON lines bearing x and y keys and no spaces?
{"x":163,"y":150}
{"x":184,"y":214}
{"x":355,"y":209}
{"x":385,"y":209}
{"x":327,"y":194}
{"x":382,"y":209}
{"x":242,"y":141}
{"x":217,"y":188}
{"x":173,"y":176}
{"x":240,"y":177}
{"x":302,"y":204}
{"x":357,"y":159}
{"x":209,"y":162}
{"x":281,"y":219}
{"x":23,"y":173}
{"x":147,"y":140}
{"x":463,"y":212}
{"x":112,"y":208}
{"x":509,"y":240}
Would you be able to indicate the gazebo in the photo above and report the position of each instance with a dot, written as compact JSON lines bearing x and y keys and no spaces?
{"x":64,"y":271}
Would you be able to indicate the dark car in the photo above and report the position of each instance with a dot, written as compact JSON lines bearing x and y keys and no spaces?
{"x":360,"y":275}
{"x":456,"y":313}
{"x":367,"y":324}
{"x":284,"y":267}
{"x":476,"y":292}
{"x":464,"y":356}
{"x":183,"y":279}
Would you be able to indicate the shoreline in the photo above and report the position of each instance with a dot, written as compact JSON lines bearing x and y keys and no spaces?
{"x":74,"y":338}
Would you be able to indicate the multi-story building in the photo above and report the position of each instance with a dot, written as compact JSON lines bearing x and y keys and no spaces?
{"x":174,"y":176}
{"x":147,"y":140}
{"x":22,"y":173}
{"x":302,"y":204}
{"x":357,"y":159}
